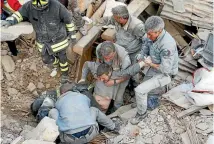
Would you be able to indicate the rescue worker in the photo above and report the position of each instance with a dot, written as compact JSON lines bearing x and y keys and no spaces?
{"x":130,"y":30}
{"x":159,"y":52}
{"x":46,"y":101}
{"x":117,"y":57}
{"x":77,"y":120}
{"x":54,"y":28}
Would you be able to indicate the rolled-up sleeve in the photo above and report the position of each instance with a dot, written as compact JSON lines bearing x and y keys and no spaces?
{"x":89,"y":67}
{"x":145,"y":47}
{"x":167,"y":58}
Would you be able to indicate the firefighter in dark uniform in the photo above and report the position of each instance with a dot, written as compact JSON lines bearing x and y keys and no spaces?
{"x":54,"y":29}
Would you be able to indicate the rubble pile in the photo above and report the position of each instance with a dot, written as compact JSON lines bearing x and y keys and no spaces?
{"x":23,"y":78}
{"x":162,"y":126}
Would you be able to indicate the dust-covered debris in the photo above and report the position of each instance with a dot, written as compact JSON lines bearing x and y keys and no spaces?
{"x":16,"y":98}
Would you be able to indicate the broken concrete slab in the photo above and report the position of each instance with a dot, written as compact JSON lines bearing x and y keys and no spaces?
{"x":18,"y":140}
{"x":13,"y":32}
{"x":40,"y":85}
{"x":37,"y":142}
{"x":12,"y":91}
{"x":190,"y":111}
{"x":185,"y":138}
{"x":31,"y":87}
{"x":120,"y":111}
{"x":8,"y":63}
{"x":33,"y":67}
{"x":46,"y":130}
{"x":205,"y":112}
{"x":129,"y":114}
{"x":157,"y":139}
{"x":202,"y":126}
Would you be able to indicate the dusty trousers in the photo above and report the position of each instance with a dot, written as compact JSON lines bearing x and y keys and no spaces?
{"x":142,"y":90}
{"x":57,"y":59}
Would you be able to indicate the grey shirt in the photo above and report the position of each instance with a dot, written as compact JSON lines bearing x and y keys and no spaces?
{"x":164,"y":52}
{"x":128,"y":36}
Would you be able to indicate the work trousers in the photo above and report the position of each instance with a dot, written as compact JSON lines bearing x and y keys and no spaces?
{"x":142,"y":90}
{"x":57,"y":59}
{"x":97,"y":116}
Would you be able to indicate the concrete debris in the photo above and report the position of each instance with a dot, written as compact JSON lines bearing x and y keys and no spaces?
{"x":36,"y":142}
{"x":26,"y":129}
{"x":8,"y":63}
{"x":179,"y":130}
{"x":35,"y":93}
{"x":185,"y":138}
{"x":31,"y":87}
{"x":18,"y":140}
{"x":205,"y":112}
{"x":33,"y":67}
{"x":8,"y":76}
{"x":157,"y":139}
{"x":12,"y":91}
{"x":139,"y":140}
{"x":120,"y":111}
{"x":46,"y":130}
{"x":2,"y":75}
{"x":40,"y":85}
{"x":202,"y":126}
{"x":4,"y":52}
{"x":129,"y":114}
{"x":47,"y":86}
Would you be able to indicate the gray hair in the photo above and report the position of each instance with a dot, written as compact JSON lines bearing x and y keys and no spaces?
{"x":106,"y":48}
{"x":154,"y":23}
{"x":103,"y":69}
{"x":121,"y":11}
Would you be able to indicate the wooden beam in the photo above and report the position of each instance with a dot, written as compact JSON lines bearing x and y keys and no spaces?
{"x":84,"y":48}
{"x":86,"y":41}
{"x":136,"y":7}
{"x":190,"y":111}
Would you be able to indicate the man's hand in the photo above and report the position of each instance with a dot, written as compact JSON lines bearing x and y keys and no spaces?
{"x":5,"y":23}
{"x":109,"y":83}
{"x":72,"y":37}
{"x":148,"y":60}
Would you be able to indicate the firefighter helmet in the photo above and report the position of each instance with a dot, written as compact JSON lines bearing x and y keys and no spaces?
{"x":40,"y":4}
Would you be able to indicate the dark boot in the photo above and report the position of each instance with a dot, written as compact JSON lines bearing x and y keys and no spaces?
{"x":138,"y":118}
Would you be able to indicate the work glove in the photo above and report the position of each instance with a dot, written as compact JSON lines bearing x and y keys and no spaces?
{"x":72,"y":37}
{"x":138,"y":57}
{"x":5,"y":23}
{"x":142,"y":64}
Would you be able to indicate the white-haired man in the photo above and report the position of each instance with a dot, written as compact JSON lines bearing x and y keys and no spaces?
{"x":159,"y":51}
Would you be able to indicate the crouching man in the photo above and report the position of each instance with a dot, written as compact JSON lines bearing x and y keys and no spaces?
{"x":77,"y":120}
{"x":159,"y":51}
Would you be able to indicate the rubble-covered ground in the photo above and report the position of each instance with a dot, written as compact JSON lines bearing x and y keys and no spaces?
{"x":162,"y":126}
{"x":22,"y":82}
{"x":23,"y":78}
